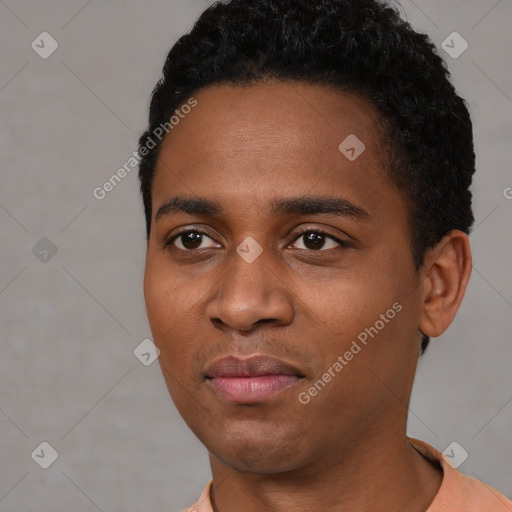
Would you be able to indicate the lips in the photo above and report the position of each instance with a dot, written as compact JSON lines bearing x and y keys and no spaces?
{"x":252,"y":380}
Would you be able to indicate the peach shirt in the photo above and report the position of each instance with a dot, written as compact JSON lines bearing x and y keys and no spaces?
{"x":458,"y":492}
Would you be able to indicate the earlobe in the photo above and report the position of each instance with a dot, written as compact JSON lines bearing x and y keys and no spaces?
{"x":445,"y":275}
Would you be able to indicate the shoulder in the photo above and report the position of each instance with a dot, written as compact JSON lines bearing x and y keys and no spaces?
{"x":460,"y":492}
{"x":203,"y":504}
{"x":472,"y":495}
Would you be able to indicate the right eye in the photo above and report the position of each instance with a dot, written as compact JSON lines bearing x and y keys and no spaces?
{"x":189,"y":240}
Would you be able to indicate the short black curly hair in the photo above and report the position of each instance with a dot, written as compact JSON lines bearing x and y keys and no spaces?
{"x":358,"y":46}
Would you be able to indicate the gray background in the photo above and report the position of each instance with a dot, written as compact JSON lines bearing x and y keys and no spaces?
{"x":69,"y":325}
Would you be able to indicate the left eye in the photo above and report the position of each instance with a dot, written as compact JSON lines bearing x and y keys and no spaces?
{"x":316,"y":240}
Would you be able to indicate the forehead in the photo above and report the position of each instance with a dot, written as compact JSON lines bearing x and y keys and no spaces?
{"x":275,"y":139}
{"x":310,"y":119}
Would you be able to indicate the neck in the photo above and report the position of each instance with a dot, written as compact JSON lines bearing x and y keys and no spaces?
{"x":377,"y":470}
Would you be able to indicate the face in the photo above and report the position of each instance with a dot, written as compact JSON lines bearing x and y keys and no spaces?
{"x":279,"y":282}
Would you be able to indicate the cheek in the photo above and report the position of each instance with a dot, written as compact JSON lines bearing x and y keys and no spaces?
{"x":169,"y":310}
{"x":346,"y":302}
{"x":159,"y":295}
{"x":168,"y":296}
{"x":170,"y":315}
{"x":367,"y":310}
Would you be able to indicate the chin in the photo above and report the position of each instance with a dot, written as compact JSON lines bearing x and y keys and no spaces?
{"x":259,"y":452}
{"x":256,"y":464}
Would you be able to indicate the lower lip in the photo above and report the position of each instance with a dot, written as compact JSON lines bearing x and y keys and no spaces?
{"x":250,"y":390}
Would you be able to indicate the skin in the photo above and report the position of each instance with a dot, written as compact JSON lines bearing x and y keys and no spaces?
{"x":303,"y":303}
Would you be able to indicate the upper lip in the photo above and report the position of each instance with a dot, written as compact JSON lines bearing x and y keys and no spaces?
{"x":254,"y":366}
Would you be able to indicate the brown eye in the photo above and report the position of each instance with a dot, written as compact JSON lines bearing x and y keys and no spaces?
{"x":189,"y":240}
{"x":316,"y":240}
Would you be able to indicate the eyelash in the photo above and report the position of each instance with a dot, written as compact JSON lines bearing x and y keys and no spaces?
{"x":319,"y":231}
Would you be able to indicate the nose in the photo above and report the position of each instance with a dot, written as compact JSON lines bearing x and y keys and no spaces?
{"x":250,"y":294}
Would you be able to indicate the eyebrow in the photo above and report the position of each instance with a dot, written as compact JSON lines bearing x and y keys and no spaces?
{"x":303,"y":205}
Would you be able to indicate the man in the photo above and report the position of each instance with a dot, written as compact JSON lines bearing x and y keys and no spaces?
{"x":305,"y":176}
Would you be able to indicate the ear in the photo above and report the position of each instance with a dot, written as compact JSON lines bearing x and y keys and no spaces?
{"x":446,"y":271}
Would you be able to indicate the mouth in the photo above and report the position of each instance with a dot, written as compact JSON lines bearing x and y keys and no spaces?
{"x":252,"y":380}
